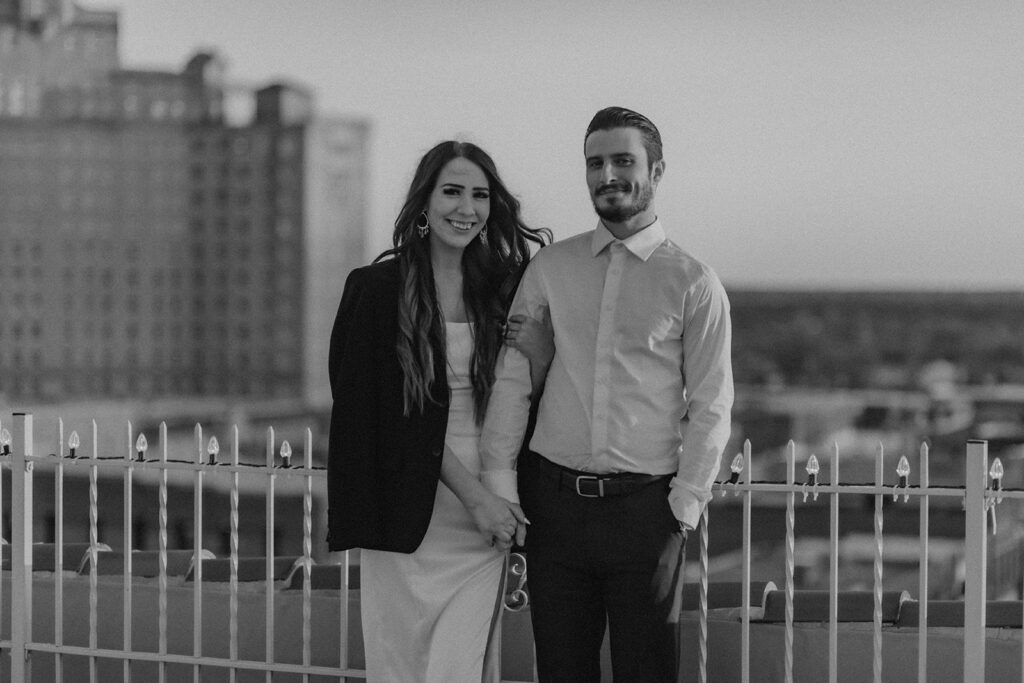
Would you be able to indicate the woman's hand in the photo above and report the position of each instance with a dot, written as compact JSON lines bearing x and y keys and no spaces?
{"x":535,"y":339}
{"x":500,"y":521}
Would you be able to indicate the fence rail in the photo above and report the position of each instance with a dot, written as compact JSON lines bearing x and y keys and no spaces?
{"x":151,"y":596}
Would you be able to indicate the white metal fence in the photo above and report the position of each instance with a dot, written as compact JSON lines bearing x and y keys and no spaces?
{"x":227,"y":618}
{"x":978,"y":497}
{"x":204,"y":462}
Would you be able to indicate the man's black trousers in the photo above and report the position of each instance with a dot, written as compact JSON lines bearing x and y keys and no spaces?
{"x":591,"y":561}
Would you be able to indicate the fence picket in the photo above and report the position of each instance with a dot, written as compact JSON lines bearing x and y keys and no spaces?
{"x":745,"y":626}
{"x":233,"y":585}
{"x":307,"y":552}
{"x":790,"y":554}
{"x":702,"y":608}
{"x":163,"y":547}
{"x":833,"y":570}
{"x":93,"y":551}
{"x":269,"y":553}
{"x":975,"y":560}
{"x":923,"y":555}
{"x":21,"y":546}
{"x":58,"y":552}
{"x":126,"y":587}
{"x":877,"y":573}
{"x":197,"y":552}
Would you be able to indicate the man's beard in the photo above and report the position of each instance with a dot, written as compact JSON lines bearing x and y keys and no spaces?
{"x":633,"y":204}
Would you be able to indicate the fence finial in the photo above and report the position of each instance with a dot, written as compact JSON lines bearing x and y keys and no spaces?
{"x":903,"y":472}
{"x":812,"y":476}
{"x":736,"y":468}
{"x":995,"y":472}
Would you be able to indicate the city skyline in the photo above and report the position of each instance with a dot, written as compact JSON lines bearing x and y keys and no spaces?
{"x":865,"y":146}
{"x":151,"y":246}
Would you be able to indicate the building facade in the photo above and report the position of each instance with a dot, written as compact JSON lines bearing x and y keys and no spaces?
{"x":153,"y":241}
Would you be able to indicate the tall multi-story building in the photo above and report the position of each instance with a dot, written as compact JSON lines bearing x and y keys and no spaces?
{"x":151,"y":243}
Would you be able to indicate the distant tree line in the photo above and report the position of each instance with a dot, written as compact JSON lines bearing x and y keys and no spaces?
{"x":866,"y":339}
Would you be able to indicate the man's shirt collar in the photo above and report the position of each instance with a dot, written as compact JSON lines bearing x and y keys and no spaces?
{"x":641,"y":244}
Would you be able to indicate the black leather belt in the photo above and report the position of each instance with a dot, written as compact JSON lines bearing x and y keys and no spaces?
{"x":590,"y":485}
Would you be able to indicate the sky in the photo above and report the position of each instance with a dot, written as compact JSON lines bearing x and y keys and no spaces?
{"x":808,"y":143}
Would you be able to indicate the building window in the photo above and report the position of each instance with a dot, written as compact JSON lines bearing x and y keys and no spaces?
{"x":16,"y":98}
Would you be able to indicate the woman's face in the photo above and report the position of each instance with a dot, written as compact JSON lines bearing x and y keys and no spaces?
{"x":459,"y":205}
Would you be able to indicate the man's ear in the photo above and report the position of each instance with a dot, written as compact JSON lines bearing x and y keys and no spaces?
{"x":657,"y":170}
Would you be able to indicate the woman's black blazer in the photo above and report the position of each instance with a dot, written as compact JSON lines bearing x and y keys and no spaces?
{"x":382,"y":466}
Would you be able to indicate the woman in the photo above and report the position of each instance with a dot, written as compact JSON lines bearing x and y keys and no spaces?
{"x":411,"y":365}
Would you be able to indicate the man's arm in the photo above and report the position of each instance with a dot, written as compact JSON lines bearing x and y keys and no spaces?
{"x":509,"y":406}
{"x":707,"y":374}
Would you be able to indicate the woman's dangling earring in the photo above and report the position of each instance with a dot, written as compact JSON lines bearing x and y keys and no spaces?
{"x":483,"y":234}
{"x":423,"y":228}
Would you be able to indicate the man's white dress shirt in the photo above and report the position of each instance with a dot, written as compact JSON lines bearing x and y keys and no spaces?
{"x":641,"y":379}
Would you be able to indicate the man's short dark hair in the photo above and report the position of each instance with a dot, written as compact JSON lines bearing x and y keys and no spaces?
{"x":620,"y":117}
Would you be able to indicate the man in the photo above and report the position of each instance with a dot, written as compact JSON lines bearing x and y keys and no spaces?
{"x":631,"y":426}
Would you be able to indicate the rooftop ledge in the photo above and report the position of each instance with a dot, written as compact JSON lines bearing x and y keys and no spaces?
{"x":899,"y":637}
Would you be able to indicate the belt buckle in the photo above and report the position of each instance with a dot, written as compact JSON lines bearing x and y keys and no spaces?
{"x":600,"y":486}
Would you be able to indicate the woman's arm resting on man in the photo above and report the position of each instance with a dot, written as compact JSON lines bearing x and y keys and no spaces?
{"x":535,"y":339}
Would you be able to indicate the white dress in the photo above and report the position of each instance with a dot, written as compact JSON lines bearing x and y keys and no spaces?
{"x":434,"y":615}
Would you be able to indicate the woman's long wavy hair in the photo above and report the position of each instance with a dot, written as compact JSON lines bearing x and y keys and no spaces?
{"x":491,"y":268}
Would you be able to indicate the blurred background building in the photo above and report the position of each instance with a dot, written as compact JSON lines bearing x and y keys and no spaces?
{"x":164,"y":233}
